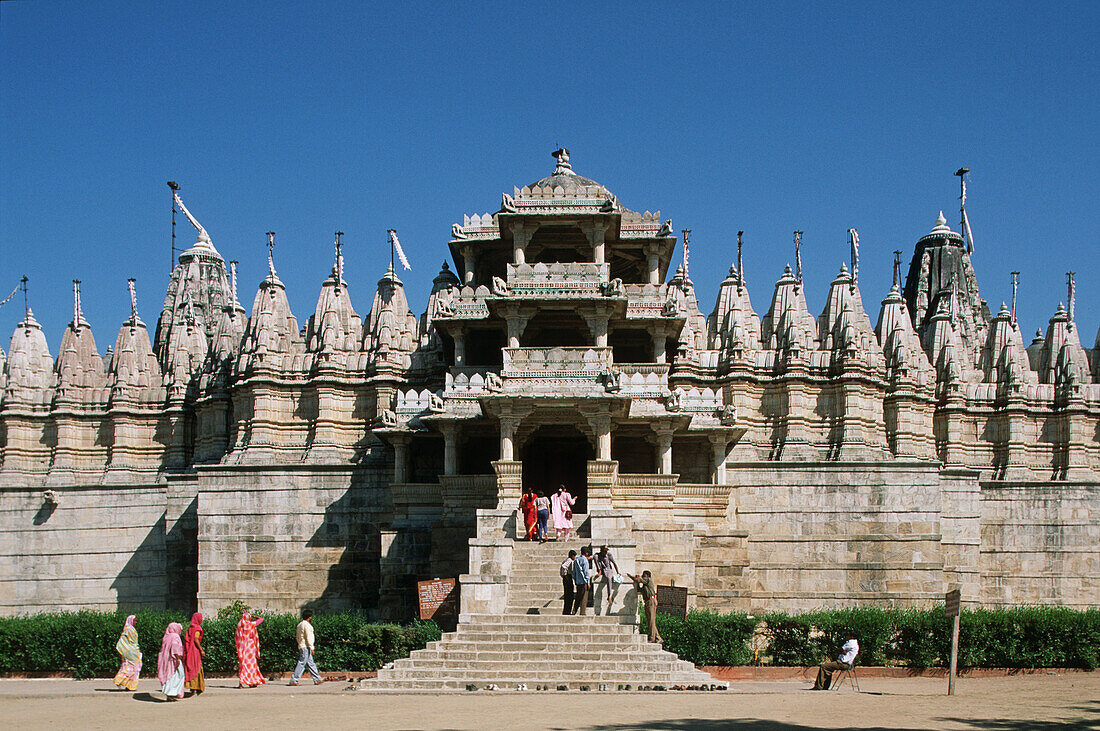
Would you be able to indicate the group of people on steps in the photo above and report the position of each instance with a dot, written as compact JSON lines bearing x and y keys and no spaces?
{"x":580,"y":575}
{"x":536,"y":509}
{"x":179,"y":663}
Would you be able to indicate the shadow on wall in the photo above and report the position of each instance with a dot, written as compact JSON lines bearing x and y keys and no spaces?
{"x":181,"y":547}
{"x":143,"y":583}
{"x":352,"y":523}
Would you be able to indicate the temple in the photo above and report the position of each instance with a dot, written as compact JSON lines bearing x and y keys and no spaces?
{"x":767,"y":461}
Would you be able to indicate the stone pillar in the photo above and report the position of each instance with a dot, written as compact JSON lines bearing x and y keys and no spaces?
{"x":459,"y":335}
{"x":664,"y":450}
{"x":400,"y":457}
{"x":450,"y":448}
{"x":516,"y":324}
{"x":597,"y":325}
{"x":720,"y":444}
{"x":654,"y":263}
{"x":520,"y":237}
{"x":659,"y":337}
{"x":469,"y":261}
{"x":601,"y":428}
{"x":508,"y":426}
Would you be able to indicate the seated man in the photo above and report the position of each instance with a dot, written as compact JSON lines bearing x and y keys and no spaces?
{"x":843,"y":662}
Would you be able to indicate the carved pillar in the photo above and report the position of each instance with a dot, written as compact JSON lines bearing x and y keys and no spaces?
{"x":720,"y":444}
{"x":653,"y":261}
{"x":516,"y":324}
{"x":469,"y":261}
{"x":450,"y":448}
{"x":458,"y":332}
{"x":601,"y":427}
{"x":400,"y":457}
{"x":659,"y":337}
{"x":508,"y":426}
{"x":520,"y":238}
{"x":597,"y":325}
{"x":595,"y":231}
{"x":664,"y":449}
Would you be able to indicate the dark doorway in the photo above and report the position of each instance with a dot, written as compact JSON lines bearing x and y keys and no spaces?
{"x":558,"y":455}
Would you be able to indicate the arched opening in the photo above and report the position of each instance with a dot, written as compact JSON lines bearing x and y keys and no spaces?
{"x":558,"y":454}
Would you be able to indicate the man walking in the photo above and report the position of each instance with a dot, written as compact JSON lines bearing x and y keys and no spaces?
{"x":607,"y":572}
{"x":582,"y":579}
{"x":304,"y":635}
{"x":647,"y":589}
{"x":567,"y":583}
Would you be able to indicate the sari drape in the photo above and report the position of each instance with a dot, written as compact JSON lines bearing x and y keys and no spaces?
{"x":530,"y":514}
{"x":127,"y":646}
{"x":193,"y":675}
{"x":248,"y":651}
{"x":170,"y":661}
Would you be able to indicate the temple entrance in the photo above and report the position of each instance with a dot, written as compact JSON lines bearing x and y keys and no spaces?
{"x":558,"y":455}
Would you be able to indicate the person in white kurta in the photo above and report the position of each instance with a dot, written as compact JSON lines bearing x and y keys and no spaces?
{"x":561,"y":504}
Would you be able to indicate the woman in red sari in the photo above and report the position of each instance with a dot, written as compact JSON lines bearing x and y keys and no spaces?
{"x":248,"y":652}
{"x":530,"y":514}
{"x":194,"y":679}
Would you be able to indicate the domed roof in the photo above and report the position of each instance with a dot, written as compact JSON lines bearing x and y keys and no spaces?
{"x":563,"y":175}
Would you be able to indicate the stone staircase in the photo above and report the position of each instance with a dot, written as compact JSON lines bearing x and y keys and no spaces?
{"x":533,"y":644}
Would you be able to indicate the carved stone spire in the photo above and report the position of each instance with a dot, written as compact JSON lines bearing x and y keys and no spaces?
{"x":788,"y":322}
{"x":390,"y":335}
{"x":30,"y":367}
{"x":733,"y":327}
{"x":79,"y":364}
{"x":334,"y":325}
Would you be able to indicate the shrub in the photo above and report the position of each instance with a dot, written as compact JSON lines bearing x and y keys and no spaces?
{"x":708,"y":638}
{"x":83,"y":643}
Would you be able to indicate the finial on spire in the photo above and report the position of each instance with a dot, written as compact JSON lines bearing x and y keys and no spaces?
{"x":133,"y":299}
{"x":798,"y":257}
{"x":1015,"y":286}
{"x":271,"y":253}
{"x":853,"y":240}
{"x":740,"y":266}
{"x":897,"y":267}
{"x":338,"y":269}
{"x":78,"y":316}
{"x":562,"y":156}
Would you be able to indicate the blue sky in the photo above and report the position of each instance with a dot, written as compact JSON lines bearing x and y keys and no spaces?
{"x":305,"y":118}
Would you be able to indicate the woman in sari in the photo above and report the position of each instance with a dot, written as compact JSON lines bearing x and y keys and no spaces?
{"x":530,"y":515}
{"x":248,"y":652}
{"x":127,"y":646}
{"x":193,"y":677}
{"x":170,"y":662}
{"x":562,"y":505}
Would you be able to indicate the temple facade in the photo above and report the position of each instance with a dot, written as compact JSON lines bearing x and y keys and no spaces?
{"x":765,"y":460}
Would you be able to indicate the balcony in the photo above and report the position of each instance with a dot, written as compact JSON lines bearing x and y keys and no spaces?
{"x":558,"y":280}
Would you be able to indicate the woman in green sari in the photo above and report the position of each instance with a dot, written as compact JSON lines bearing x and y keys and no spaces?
{"x":127,"y":646}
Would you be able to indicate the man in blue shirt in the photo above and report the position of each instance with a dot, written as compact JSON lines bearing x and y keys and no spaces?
{"x":582,"y":578}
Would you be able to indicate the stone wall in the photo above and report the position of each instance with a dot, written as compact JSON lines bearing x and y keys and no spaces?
{"x":100,"y":547}
{"x":1040,"y":543}
{"x":291,"y":537}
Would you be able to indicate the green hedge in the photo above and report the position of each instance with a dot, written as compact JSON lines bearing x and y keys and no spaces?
{"x":83,"y":643}
{"x":1025,"y":637}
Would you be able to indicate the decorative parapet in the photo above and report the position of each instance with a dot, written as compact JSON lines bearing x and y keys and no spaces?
{"x":651,"y":302}
{"x":483,"y":227}
{"x":587,"y":364}
{"x":469,"y":382}
{"x":571,"y":279}
{"x":646,"y":225}
{"x":462,"y":303}
{"x":644,"y":380}
{"x":418,"y":402}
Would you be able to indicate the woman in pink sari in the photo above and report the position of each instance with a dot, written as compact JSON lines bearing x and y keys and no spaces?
{"x":127,"y":646}
{"x":248,"y":652}
{"x":562,"y":507}
{"x":170,"y":662}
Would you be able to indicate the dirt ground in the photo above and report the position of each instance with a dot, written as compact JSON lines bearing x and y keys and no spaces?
{"x":1070,"y":700}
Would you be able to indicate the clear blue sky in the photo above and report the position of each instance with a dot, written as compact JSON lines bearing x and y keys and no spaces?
{"x":304,"y":118}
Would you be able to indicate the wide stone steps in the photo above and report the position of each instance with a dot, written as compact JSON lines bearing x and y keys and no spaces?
{"x":548,"y":650}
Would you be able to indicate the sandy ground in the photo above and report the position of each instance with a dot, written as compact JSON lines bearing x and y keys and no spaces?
{"x":1070,"y":700}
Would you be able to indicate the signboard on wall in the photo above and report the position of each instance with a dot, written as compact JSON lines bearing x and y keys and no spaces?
{"x":438,"y":599}
{"x":672,"y":600}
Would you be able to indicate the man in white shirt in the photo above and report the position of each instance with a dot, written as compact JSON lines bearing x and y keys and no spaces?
{"x":304,"y":635}
{"x":843,"y":662}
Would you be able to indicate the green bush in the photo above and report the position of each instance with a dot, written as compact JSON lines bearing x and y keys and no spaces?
{"x":1021,"y":637}
{"x":83,"y":643}
{"x":708,"y":638}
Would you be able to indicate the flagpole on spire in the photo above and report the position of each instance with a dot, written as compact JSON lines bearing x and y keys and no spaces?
{"x":853,"y":240}
{"x":897,"y":267}
{"x":964,"y":222}
{"x":1015,"y":286}
{"x":26,"y":302}
{"x":395,"y":246}
{"x":339,"y":261}
{"x":271,"y":253}
{"x":798,"y":257}
{"x":175,"y":187}
{"x":687,"y":250}
{"x":740,"y":266}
